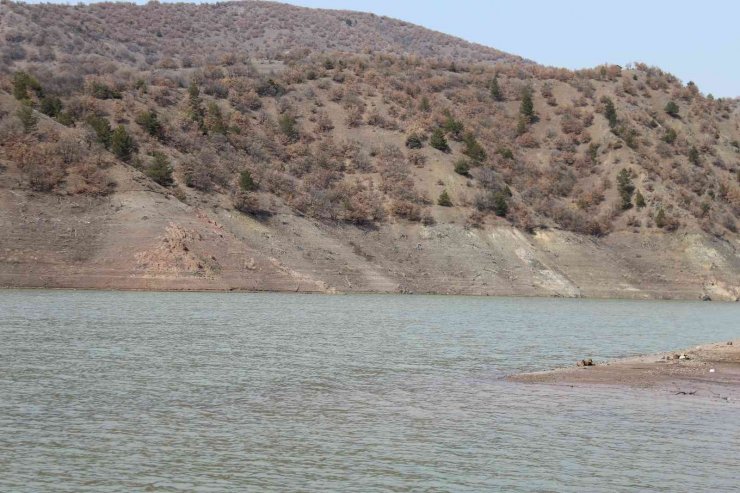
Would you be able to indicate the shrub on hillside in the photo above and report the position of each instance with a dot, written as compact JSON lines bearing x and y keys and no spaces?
{"x":414,"y":141}
{"x":160,"y":170}
{"x":27,"y":118}
{"x":526,"y":107}
{"x":438,"y":141}
{"x":122,"y":144}
{"x":626,"y":188}
{"x":102,"y":129}
{"x":473,"y":149}
{"x":246,"y":182}
{"x":462,"y":167}
{"x":149,"y":121}
{"x":672,"y":109}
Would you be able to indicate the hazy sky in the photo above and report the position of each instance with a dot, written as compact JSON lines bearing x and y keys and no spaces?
{"x":697,"y":41}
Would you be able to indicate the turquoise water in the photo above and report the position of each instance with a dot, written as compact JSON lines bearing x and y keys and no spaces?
{"x":110,"y":391}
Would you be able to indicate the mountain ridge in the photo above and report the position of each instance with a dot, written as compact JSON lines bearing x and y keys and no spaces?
{"x":229,"y":146}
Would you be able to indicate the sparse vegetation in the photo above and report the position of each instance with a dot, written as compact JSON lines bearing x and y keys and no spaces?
{"x":300,"y":122}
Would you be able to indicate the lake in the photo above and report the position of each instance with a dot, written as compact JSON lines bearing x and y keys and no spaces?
{"x":137,"y":391}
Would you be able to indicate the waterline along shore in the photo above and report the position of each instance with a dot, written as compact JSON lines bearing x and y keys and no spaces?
{"x":708,"y":370}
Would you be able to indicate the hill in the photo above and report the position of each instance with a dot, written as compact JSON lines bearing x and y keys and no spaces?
{"x":253,"y":145}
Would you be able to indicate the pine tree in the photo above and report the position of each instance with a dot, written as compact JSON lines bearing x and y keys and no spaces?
{"x":160,"y":169}
{"x":496,"y":93}
{"x":500,"y":204}
{"x":660,"y":219}
{"x":102,"y":129}
{"x":625,"y":188}
{"x":438,"y":141}
{"x":694,"y":157}
{"x":287,"y":124}
{"x":670,"y":136}
{"x":413,"y":141}
{"x":526,"y":108}
{"x":672,"y":109}
{"x":50,"y":106}
{"x":444,"y":199}
{"x":453,"y":127}
{"x":150,"y":122}
{"x":214,"y":121}
{"x":246,"y":182}
{"x":196,"y":111}
{"x":22,"y":82}
{"x":28,"y":118}
{"x":610,"y":112}
{"x":639,"y":200}
{"x":122,"y":144}
{"x":462,"y":167}
{"x":473,"y":149}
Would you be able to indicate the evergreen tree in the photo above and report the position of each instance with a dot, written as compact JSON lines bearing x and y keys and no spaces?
{"x":438,"y":141}
{"x":246,"y":182}
{"x":496,"y":93}
{"x":149,"y":121}
{"x":639,"y":200}
{"x":22,"y":82}
{"x":453,"y":127}
{"x":160,"y":169}
{"x":526,"y":108}
{"x":50,"y":106}
{"x":287,"y":124}
{"x":610,"y":112}
{"x":660,"y":219}
{"x":670,"y":136}
{"x":462,"y":167}
{"x":444,"y":199}
{"x":102,"y":129}
{"x":195,"y":106}
{"x":473,"y":149}
{"x":500,"y":204}
{"x":672,"y":109}
{"x":413,"y":141}
{"x":694,"y":157}
{"x":28,"y":118}
{"x":215,"y":122}
{"x":122,"y":144}
{"x":521,"y":125}
{"x":625,"y":187}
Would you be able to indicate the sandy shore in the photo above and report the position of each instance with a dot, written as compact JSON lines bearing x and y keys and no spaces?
{"x":709,"y":370}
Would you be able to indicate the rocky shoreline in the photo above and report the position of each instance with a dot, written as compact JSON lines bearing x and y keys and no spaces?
{"x":708,"y":370}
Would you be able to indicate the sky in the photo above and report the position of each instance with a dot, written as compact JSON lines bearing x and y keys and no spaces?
{"x":696,"y":41}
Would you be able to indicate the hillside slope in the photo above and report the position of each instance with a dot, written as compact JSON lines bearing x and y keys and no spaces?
{"x":253,"y":145}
